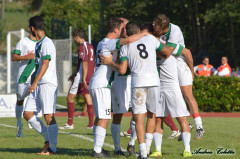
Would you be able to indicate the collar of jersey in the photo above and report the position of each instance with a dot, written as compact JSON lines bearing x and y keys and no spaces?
{"x":42,"y":39}
{"x":31,"y":39}
{"x":169,"y":32}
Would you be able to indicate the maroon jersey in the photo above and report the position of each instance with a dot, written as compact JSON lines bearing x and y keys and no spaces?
{"x":86,"y":53}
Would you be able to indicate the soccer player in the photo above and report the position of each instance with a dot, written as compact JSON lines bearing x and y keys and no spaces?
{"x":43,"y":89}
{"x":171,"y":100}
{"x":86,"y":65}
{"x":141,"y":58}
{"x":100,"y":82}
{"x":169,"y":34}
{"x":24,"y":53}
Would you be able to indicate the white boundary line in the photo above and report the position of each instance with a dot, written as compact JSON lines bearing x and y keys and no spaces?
{"x":71,"y":134}
{"x":61,"y":106}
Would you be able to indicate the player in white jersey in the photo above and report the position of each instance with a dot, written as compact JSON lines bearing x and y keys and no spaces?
{"x":141,"y":58}
{"x":43,"y":90}
{"x":24,"y":53}
{"x":100,"y":83}
{"x":170,"y":34}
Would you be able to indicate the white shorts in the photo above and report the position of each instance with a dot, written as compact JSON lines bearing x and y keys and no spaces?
{"x":101,"y":98}
{"x":121,"y":94}
{"x":184,"y":74}
{"x":22,"y":91}
{"x":74,"y":87}
{"x":44,"y":98}
{"x":172,"y":102}
{"x":145,"y":98}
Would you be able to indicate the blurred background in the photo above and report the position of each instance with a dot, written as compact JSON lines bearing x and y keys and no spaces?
{"x":210,"y":28}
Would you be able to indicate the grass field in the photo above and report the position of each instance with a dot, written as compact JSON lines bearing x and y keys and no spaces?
{"x":220,"y":132}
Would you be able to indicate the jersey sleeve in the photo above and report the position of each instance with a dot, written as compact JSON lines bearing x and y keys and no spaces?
{"x":159,"y":46}
{"x":47,"y":50}
{"x":18,"y":48}
{"x":123,"y":53}
{"x":114,"y":44}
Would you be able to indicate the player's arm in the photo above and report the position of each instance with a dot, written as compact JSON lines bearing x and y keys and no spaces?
{"x":188,"y":55}
{"x":85,"y":71}
{"x":121,"y":68}
{"x":195,"y":70}
{"x":132,"y":38}
{"x":42,"y":71}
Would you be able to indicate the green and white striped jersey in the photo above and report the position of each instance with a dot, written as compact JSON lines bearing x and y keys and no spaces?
{"x":174,"y":36}
{"x":45,"y":49}
{"x":24,"y":47}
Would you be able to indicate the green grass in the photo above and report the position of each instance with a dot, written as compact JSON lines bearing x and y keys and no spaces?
{"x":220,"y":132}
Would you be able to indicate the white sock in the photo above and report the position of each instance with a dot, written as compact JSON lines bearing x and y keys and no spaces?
{"x":158,"y":141}
{"x":133,"y":134}
{"x":115,"y":130}
{"x":143,"y":149}
{"x":186,"y":137}
{"x":52,"y":135}
{"x":99,"y":139}
{"x":148,"y":138}
{"x":198,"y":122}
{"x":38,"y":125}
{"x":18,"y":112}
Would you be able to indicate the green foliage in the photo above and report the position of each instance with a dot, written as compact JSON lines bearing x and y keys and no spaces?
{"x":217,"y":94}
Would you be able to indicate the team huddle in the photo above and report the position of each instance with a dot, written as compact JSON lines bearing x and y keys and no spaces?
{"x":146,"y":68}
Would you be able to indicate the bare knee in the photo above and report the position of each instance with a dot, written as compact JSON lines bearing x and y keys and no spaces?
{"x":70,"y":98}
{"x":50,"y":119}
{"x":28,"y":115}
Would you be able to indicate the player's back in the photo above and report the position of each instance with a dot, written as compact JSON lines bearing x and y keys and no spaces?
{"x":141,"y":57}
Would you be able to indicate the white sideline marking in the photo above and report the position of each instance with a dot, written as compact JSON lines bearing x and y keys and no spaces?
{"x":71,"y":134}
{"x":61,"y":106}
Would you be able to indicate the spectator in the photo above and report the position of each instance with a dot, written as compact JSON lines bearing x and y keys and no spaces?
{"x":204,"y":69}
{"x":224,"y":69}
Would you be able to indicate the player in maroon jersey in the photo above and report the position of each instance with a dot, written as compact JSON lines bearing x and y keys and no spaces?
{"x":81,"y":79}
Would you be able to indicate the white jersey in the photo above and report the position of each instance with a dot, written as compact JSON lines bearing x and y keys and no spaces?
{"x":104,"y":75}
{"x":141,"y":56}
{"x":45,"y":49}
{"x":169,"y":74}
{"x":174,"y":36}
{"x":23,"y":48}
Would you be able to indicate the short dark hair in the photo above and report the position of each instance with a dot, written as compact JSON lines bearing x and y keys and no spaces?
{"x":162,"y":21}
{"x":204,"y":57}
{"x":36,"y":22}
{"x":114,"y":23}
{"x":148,"y":26}
{"x":132,"y":28}
{"x":78,"y":32}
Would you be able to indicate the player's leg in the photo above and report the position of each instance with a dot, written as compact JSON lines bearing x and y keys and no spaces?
{"x":88,"y":101}
{"x":29,"y":114}
{"x":47,"y":97}
{"x":133,"y":138}
{"x":151,"y":124}
{"x":101,"y":98}
{"x":71,"y":111}
{"x":188,"y":95}
{"x":169,"y":122}
{"x":158,"y":134}
{"x":186,"y":135}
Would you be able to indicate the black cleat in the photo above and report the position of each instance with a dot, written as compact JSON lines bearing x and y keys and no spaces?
{"x":131,"y":150}
{"x":119,"y":153}
{"x":102,"y":154}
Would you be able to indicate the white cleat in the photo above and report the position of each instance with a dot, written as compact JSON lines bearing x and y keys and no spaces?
{"x":30,"y":126}
{"x":19,"y":131}
{"x":66,"y":126}
{"x":174,"y":134}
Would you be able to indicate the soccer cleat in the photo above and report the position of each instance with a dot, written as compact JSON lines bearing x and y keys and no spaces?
{"x":141,"y":157}
{"x":30,"y":126}
{"x":131,"y":150}
{"x":103,"y":154}
{"x":199,"y":133}
{"x":46,"y":146}
{"x":19,"y":131}
{"x":125,"y":134}
{"x":187,"y":154}
{"x":156,"y":153}
{"x":174,"y":134}
{"x":119,"y":153}
{"x":66,"y":126}
{"x":88,"y":127}
{"x":47,"y":152}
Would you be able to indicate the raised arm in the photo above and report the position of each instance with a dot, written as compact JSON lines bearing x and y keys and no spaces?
{"x":132,"y":38}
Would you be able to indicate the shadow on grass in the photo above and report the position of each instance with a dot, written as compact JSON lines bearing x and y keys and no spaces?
{"x":61,"y":151}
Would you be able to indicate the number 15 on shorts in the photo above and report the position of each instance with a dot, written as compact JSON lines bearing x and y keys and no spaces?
{"x":108,"y":111}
